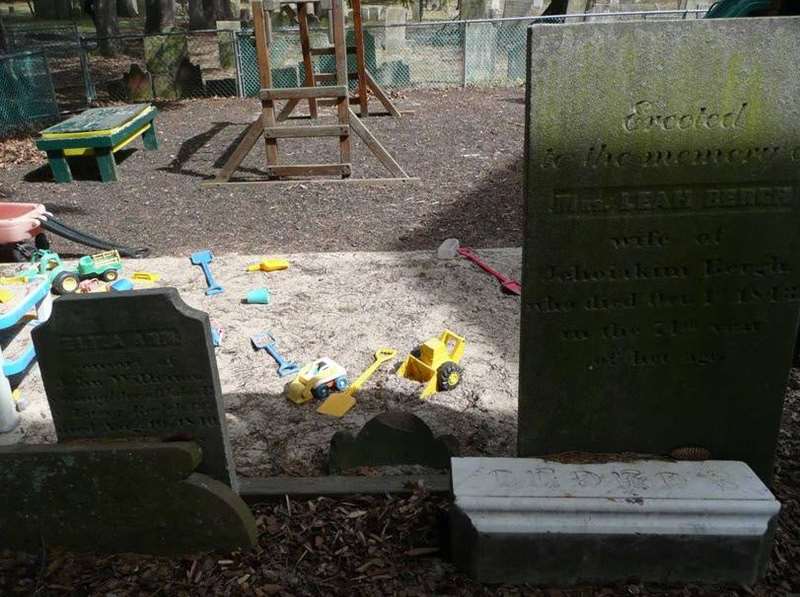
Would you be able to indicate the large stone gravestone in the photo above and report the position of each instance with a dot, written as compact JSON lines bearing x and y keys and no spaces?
{"x":136,"y":364}
{"x":661,"y":261}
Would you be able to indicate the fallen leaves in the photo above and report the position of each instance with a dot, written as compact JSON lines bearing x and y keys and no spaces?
{"x":19,"y":150}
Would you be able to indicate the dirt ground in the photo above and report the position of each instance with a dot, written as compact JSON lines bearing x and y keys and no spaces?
{"x":345,"y":306}
{"x":464,"y":145}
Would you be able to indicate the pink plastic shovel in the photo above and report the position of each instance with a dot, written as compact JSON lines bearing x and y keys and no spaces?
{"x":507,"y":285}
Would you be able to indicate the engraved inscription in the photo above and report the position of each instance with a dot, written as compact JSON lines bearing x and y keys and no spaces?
{"x":115,"y":341}
{"x":671,"y":200}
{"x":645,"y":117}
{"x":618,"y":479}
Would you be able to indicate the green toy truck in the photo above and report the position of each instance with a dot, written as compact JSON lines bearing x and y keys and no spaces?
{"x":105,"y":266}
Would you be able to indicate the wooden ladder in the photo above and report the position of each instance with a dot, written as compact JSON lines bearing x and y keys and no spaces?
{"x":364,"y":80}
{"x":269,"y":94}
{"x":337,"y":95}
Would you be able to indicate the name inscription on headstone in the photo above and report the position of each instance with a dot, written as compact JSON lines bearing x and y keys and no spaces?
{"x":134,"y":365}
{"x":662,"y":270}
{"x":534,"y":477}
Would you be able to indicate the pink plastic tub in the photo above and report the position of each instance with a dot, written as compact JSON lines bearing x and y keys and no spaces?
{"x":19,"y":221}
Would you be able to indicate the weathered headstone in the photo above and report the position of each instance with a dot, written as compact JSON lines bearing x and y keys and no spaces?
{"x":521,"y":520}
{"x":662,"y":251}
{"x":395,"y":32}
{"x":112,"y":497}
{"x":164,"y":55}
{"x":137,"y":364}
{"x":226,"y":32}
{"x":138,"y":84}
{"x":480,"y":52}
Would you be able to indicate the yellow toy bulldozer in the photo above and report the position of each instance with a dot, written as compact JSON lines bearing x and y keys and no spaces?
{"x":435,"y":363}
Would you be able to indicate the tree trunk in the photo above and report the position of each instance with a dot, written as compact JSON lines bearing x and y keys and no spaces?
{"x":225,"y":10}
{"x":3,"y":42}
{"x":160,"y":16}
{"x":556,"y":7}
{"x":203,"y":14}
{"x":106,"y":24}
{"x":127,"y":8}
{"x":197,"y":15}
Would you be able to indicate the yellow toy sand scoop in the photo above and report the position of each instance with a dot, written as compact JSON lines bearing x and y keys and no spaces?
{"x":337,"y":405}
{"x":436,"y":363}
{"x":268,"y":265}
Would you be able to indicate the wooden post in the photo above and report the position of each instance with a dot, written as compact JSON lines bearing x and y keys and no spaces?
{"x":247,"y":143}
{"x":106,"y":164}
{"x":59,"y":166}
{"x":262,"y":29}
{"x":308,"y":63}
{"x":340,"y":50}
{"x":361,"y":68}
{"x":150,"y":137}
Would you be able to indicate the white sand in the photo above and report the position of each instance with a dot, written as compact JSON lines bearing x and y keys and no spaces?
{"x":345,"y":306}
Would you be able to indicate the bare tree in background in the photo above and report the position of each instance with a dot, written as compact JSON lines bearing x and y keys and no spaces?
{"x":3,"y":42}
{"x":159,"y":16}
{"x":556,"y":7}
{"x":106,"y":24}
{"x":127,"y":8}
{"x":204,"y":14}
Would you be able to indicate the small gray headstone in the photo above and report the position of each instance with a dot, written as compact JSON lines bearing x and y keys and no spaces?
{"x":391,"y":438}
{"x":521,"y":520}
{"x":662,"y":251}
{"x":136,"y":364}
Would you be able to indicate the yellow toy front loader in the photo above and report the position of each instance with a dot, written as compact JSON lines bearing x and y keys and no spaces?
{"x":435,"y":363}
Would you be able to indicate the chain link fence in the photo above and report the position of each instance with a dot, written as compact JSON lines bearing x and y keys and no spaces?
{"x":487,"y":52}
{"x":27,"y":96}
{"x":167,"y":66}
{"x":66,"y":57}
{"x":222,"y":63}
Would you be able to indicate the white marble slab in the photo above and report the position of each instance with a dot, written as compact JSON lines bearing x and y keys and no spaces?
{"x":533,"y":477}
{"x":533,"y":496}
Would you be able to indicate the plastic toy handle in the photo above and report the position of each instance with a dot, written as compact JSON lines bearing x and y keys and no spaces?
{"x":381,"y":356}
{"x":468,"y":254}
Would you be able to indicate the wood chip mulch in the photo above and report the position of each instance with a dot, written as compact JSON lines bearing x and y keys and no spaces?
{"x":20,"y":150}
{"x":370,"y":546}
{"x":352,"y":546}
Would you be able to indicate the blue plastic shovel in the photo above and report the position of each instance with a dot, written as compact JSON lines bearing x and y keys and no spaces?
{"x":267,"y":342}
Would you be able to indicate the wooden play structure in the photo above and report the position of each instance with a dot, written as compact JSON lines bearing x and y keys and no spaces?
{"x":338,"y":95}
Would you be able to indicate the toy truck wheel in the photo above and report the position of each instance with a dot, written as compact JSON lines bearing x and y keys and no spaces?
{"x":109,"y":275}
{"x":448,"y":376}
{"x":341,"y":383}
{"x":66,"y":283}
{"x":322,"y":392}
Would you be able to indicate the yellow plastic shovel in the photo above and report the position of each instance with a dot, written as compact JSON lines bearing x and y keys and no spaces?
{"x":268,"y":265}
{"x":337,"y":405}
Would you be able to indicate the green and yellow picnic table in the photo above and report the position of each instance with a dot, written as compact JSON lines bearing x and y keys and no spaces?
{"x":98,"y":132}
